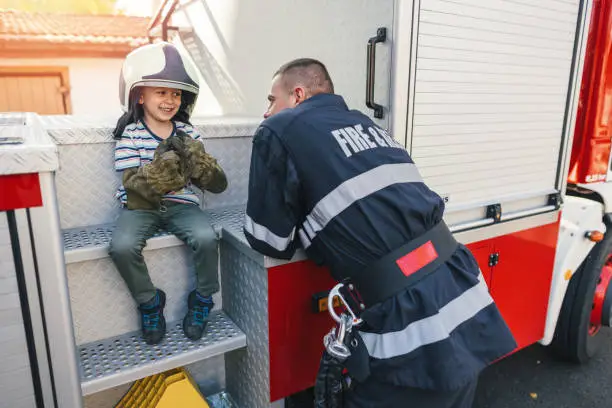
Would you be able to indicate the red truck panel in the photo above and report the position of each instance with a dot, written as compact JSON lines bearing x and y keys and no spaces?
{"x":296,"y":332}
{"x":521,"y":280}
{"x":19,"y":191}
{"x":591,"y":146}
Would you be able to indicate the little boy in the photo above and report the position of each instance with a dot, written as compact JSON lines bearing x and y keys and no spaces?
{"x":161,"y":156}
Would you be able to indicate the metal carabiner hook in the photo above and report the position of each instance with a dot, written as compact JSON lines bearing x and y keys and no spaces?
{"x":330,"y":305}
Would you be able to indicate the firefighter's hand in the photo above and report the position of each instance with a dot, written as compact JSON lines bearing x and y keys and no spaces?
{"x":166,"y":172}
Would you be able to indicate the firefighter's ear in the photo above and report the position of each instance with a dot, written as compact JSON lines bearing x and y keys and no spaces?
{"x":300,"y":95}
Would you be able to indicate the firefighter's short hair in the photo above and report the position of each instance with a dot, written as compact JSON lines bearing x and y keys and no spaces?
{"x":308,"y":72}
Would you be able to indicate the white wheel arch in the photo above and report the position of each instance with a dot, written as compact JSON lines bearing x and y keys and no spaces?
{"x":578,"y":216}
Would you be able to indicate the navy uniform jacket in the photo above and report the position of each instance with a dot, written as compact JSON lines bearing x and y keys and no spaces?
{"x":329,"y":180}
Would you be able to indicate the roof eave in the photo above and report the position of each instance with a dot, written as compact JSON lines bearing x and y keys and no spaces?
{"x":45,"y":48}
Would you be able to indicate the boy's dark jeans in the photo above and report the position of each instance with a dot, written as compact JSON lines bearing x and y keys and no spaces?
{"x":188,"y":222}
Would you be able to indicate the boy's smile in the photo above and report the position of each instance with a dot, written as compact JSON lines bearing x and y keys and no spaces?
{"x":160,"y":104}
{"x":168,"y":108}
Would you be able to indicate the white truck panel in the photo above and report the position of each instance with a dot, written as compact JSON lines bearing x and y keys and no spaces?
{"x":461,"y":145}
{"x":604,"y":190}
{"x":549,"y":47}
{"x":496,"y":26}
{"x":15,"y":376}
{"x":238,"y":45}
{"x":500,"y":118}
{"x":490,"y":101}
{"x":467,"y":130}
{"x":487,"y":99}
{"x":479,"y":108}
{"x":560,"y":5}
{"x":509,"y":12}
{"x":517,"y":49}
{"x":467,"y":88}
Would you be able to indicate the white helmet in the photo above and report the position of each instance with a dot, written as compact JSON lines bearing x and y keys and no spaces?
{"x":160,"y":64}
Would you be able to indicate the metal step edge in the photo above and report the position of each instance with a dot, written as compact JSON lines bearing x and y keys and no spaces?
{"x":123,"y":359}
{"x":92,"y":242}
{"x":100,"y":250}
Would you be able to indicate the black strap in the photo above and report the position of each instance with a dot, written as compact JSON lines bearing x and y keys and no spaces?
{"x":384,"y":278}
{"x":329,"y":384}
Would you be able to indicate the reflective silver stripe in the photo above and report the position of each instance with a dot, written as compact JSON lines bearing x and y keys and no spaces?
{"x":304,"y":238}
{"x":431,"y":329}
{"x":308,"y":230}
{"x":357,"y":188}
{"x":264,"y":234}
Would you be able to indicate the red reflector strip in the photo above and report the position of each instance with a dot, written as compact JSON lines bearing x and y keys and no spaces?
{"x":415,"y":260}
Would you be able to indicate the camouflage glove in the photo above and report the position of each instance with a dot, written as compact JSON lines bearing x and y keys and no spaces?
{"x":175,"y":143}
{"x":146,"y":185}
{"x":166,"y":172}
{"x":203,"y":169}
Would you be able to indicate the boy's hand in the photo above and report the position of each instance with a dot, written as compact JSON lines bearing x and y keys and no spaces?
{"x":202,"y":168}
{"x":170,"y":156}
{"x":175,"y":143}
{"x":146,"y":185}
{"x":166,"y":172}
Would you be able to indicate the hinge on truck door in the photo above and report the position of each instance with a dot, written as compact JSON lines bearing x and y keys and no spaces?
{"x":555,"y":199}
{"x":493,"y":259}
{"x":494,"y":211}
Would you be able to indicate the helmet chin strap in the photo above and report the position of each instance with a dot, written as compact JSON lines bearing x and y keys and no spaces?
{"x":133,"y":115}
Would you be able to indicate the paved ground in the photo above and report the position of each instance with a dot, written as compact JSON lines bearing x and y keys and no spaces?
{"x":534,"y":378}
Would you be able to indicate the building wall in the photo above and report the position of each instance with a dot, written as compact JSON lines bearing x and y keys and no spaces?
{"x":94,"y":82}
{"x":94,"y":85}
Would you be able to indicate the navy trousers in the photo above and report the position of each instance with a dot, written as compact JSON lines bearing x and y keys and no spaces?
{"x":374,"y":394}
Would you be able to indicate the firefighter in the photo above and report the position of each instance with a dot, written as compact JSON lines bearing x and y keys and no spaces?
{"x":330,"y":180}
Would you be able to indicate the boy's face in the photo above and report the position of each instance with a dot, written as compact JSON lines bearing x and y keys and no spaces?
{"x":160,"y":104}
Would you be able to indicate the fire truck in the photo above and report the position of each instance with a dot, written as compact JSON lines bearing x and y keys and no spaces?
{"x":505,"y":106}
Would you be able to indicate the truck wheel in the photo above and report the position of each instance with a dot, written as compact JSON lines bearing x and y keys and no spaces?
{"x":586,"y":306}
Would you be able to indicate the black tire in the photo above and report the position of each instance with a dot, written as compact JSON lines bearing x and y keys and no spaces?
{"x":572,"y":340}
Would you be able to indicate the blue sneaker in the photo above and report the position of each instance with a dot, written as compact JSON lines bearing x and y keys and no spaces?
{"x":152,"y":318}
{"x":195,"y":321}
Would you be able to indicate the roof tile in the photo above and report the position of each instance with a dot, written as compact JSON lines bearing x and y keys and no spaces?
{"x":72,"y":28}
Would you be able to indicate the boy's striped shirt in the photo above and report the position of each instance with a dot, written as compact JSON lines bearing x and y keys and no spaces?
{"x":136,"y":148}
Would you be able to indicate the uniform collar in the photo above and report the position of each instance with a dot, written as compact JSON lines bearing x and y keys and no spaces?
{"x":324,"y":100}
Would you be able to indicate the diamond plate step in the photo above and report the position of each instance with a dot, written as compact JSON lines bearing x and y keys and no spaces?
{"x":221,"y":400}
{"x":91,"y":242}
{"x":112,"y":362}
